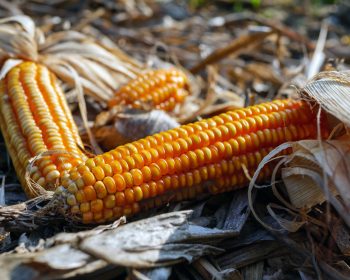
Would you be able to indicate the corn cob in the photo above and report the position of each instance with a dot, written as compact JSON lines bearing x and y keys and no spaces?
{"x":223,"y":184}
{"x":205,"y":156}
{"x":157,"y":89}
{"x":34,"y":119}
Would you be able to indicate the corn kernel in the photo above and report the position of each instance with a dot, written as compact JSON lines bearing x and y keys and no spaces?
{"x":96,"y":205}
{"x":100,"y":189}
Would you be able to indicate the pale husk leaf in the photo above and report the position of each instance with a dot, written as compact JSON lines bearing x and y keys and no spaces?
{"x":330,"y":158}
{"x":318,"y":170}
{"x":103,"y":71}
{"x":332,"y":90}
{"x":302,"y":190}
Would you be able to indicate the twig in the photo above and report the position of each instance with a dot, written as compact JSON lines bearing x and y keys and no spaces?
{"x":275,"y":25}
{"x":318,"y":56}
{"x":236,"y":46}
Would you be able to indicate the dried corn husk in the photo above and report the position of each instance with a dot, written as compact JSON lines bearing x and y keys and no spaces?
{"x":317,"y":171}
{"x":332,"y":91}
{"x":100,"y":71}
{"x":306,"y":166}
{"x":129,"y":125}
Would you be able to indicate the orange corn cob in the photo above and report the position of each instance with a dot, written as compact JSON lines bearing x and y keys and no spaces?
{"x":157,"y":89}
{"x":223,"y":184}
{"x":205,"y":156}
{"x":34,"y":119}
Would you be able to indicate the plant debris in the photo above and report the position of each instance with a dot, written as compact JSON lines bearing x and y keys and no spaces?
{"x":294,"y":226}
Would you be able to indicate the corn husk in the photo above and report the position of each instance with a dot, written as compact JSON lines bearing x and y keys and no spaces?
{"x":99,"y":70}
{"x":317,"y":170}
{"x":332,"y":91}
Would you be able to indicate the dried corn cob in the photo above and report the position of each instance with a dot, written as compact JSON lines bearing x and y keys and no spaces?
{"x":223,"y":184}
{"x":34,"y":119}
{"x":157,"y":89}
{"x":183,"y":161}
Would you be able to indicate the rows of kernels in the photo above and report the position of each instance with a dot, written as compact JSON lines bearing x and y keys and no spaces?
{"x":187,"y":151}
{"x":25,"y":119}
{"x":58,"y":114}
{"x":289,"y":116}
{"x":32,"y":120}
{"x":195,"y":177}
{"x":20,"y":106}
{"x":162,"y":89}
{"x":100,"y":215}
{"x":117,"y":210}
{"x":10,"y":130}
{"x":129,"y":207}
{"x":147,"y":170}
{"x":172,"y":182}
{"x":62,"y":103}
{"x":42,"y":118}
{"x":177,"y":195}
{"x":234,"y":181}
{"x":178,"y":97}
{"x":190,"y":155}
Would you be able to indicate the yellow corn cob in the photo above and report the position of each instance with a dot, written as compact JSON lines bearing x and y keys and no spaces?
{"x":157,"y":89}
{"x":205,"y":156}
{"x":34,"y":119}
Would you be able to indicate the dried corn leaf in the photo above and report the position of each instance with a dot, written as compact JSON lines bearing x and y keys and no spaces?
{"x":303,"y":191}
{"x":161,"y":240}
{"x":153,"y":242}
{"x":207,"y":270}
{"x":332,"y":91}
{"x":265,"y":72}
{"x":254,"y":271}
{"x":129,"y":125}
{"x":237,"y":46}
{"x":316,"y":170}
{"x":52,"y":264}
{"x":135,"y":124}
{"x":252,"y":254}
{"x":327,"y":176}
{"x":341,"y":236}
{"x":100,"y":70}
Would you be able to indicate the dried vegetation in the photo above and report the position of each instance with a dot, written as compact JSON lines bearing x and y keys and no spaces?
{"x":296,"y":226}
